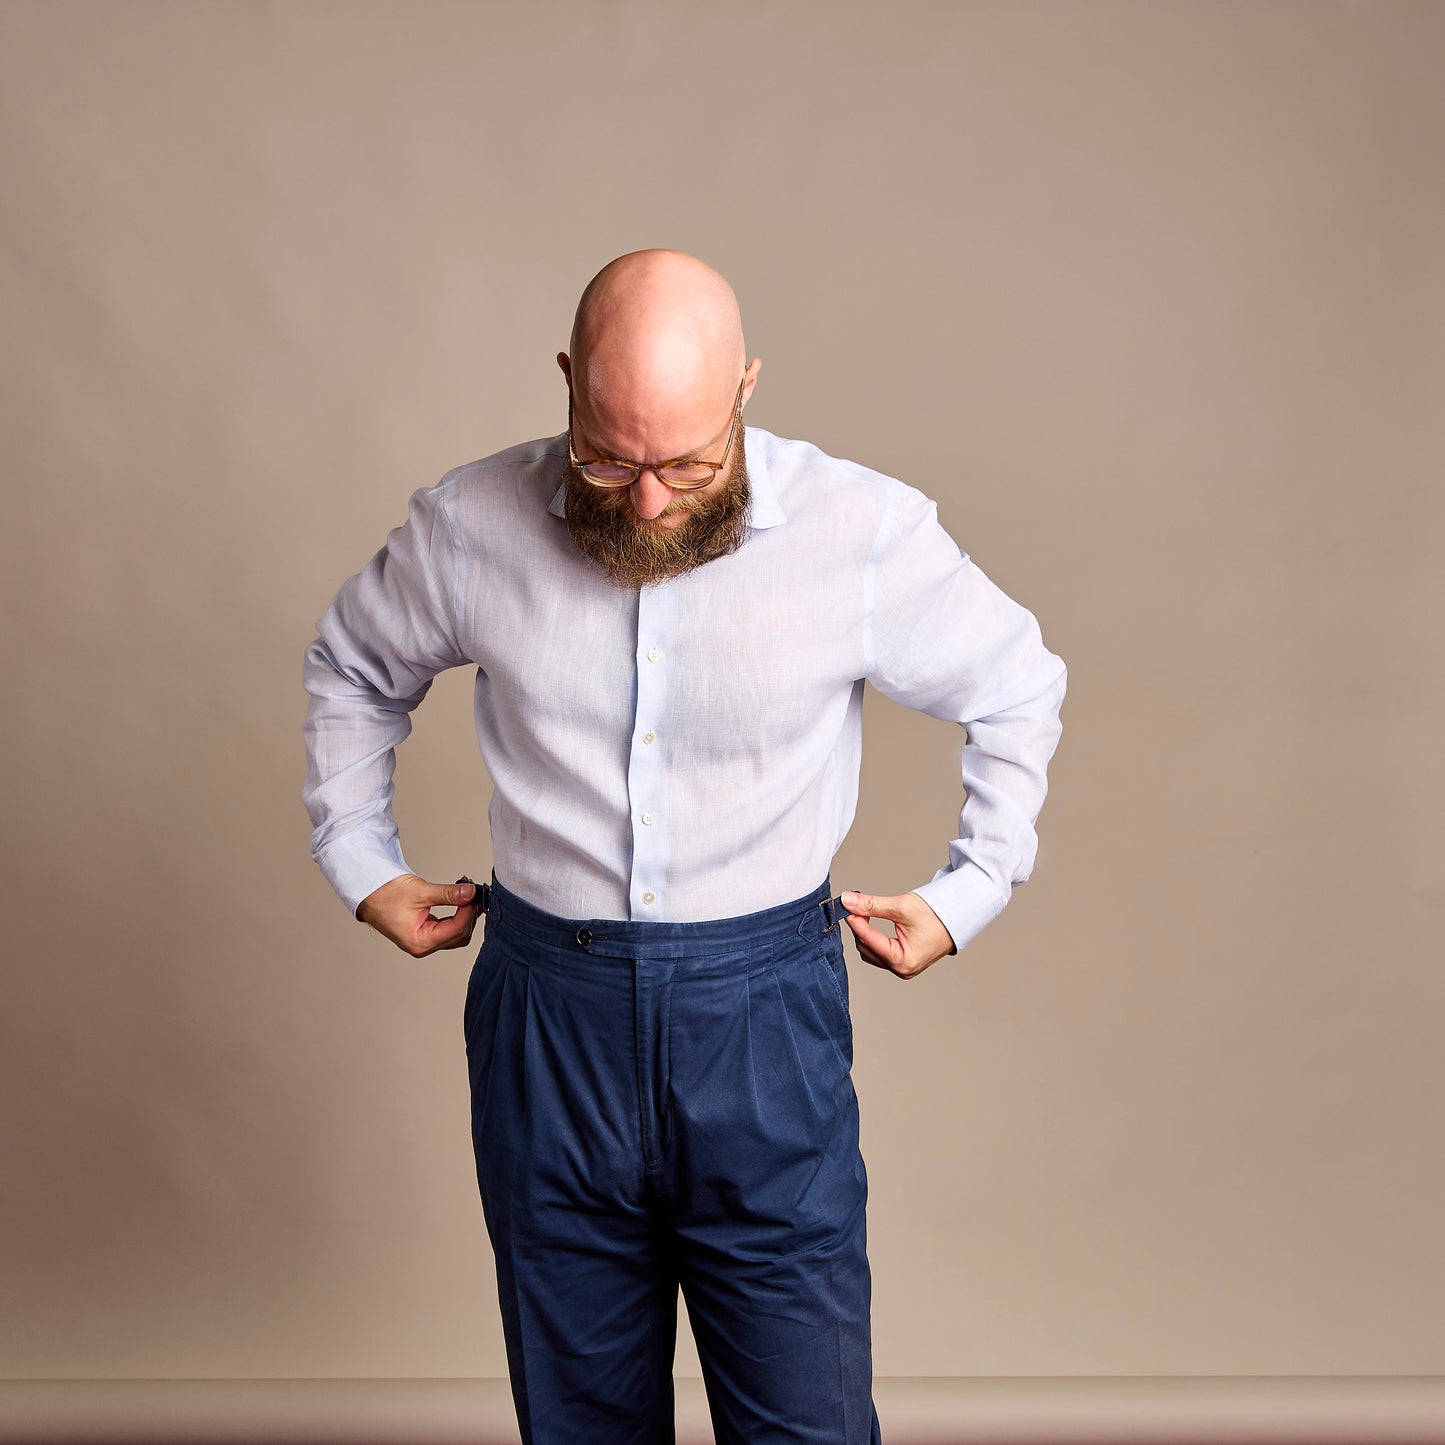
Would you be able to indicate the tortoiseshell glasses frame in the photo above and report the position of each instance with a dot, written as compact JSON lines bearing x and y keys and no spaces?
{"x":687,"y":473}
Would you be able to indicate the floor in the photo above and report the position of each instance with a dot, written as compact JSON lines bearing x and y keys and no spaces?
{"x":1200,"y":1410}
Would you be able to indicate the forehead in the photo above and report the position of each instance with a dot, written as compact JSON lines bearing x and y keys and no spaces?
{"x":653,"y":429}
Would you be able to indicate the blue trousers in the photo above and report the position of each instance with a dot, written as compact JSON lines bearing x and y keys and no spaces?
{"x":665,"y":1106}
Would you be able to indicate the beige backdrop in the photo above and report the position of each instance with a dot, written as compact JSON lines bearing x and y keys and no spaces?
{"x":1149,"y":296}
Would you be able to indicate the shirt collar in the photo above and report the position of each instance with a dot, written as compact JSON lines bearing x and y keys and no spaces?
{"x":765,"y":510}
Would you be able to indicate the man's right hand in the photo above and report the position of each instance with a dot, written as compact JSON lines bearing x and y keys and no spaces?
{"x":401,"y":910}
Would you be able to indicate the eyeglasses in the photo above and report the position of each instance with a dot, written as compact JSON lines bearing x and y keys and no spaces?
{"x":682,"y":474}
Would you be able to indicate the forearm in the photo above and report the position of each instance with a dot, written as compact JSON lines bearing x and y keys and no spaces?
{"x":351,"y":733}
{"x":1005,"y":771}
{"x":950,"y":642}
{"x":387,"y":633}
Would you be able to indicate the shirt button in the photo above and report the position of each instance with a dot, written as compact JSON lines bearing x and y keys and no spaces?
{"x":653,"y":653}
{"x":649,"y":897}
{"x":649,"y":736}
{"x":649,"y":818}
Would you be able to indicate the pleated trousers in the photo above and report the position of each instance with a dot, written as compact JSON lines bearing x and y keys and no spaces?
{"x":665,"y":1107}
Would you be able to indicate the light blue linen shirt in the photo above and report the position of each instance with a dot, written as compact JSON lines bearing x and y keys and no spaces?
{"x":690,"y":751}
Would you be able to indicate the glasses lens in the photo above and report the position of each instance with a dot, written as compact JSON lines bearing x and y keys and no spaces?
{"x":686,"y":476}
{"x":609,"y":474}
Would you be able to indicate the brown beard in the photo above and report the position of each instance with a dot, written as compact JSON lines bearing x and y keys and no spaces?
{"x":633,"y":554}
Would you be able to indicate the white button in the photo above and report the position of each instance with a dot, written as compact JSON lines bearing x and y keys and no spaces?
{"x":649,"y":897}
{"x":649,"y":818}
{"x":649,"y":736}
{"x":653,"y":653}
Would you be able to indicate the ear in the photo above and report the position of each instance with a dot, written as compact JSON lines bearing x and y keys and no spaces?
{"x":566,"y":366}
{"x":752,"y":375}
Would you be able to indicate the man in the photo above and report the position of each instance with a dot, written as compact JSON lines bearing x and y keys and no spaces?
{"x":672,"y":618}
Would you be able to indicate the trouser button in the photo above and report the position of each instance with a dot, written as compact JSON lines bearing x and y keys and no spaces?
{"x":584,"y":936}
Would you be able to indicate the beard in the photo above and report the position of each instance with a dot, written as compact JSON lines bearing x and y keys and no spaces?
{"x":634,"y":553}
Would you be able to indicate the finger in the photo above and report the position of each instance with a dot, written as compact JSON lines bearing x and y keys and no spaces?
{"x":472,"y":910}
{"x":875,"y":946}
{"x":449,"y":932}
{"x":864,"y":907}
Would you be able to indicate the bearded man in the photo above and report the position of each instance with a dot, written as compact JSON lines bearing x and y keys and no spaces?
{"x":672,"y":618}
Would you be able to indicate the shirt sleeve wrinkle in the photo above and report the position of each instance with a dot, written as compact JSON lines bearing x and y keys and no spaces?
{"x":392,"y":627}
{"x":950,"y":642}
{"x":388,"y":632}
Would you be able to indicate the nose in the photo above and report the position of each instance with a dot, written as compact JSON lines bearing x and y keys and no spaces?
{"x":649,"y":494}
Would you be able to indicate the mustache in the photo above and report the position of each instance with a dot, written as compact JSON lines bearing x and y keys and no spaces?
{"x":617,"y":500}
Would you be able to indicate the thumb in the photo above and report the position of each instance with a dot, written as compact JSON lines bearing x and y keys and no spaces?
{"x":446,"y":895}
{"x":870,"y":906}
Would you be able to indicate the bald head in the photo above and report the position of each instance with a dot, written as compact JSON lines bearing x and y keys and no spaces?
{"x":657,"y":351}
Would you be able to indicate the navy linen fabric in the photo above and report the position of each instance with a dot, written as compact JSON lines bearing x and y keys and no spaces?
{"x":669,"y":1106}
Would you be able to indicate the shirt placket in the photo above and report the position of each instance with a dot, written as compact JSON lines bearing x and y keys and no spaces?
{"x":646,"y":776}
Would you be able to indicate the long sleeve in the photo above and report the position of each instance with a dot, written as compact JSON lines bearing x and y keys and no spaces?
{"x":387,"y":633}
{"x":946,"y":640}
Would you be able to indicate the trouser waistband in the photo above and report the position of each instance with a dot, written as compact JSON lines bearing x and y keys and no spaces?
{"x":809,"y":916}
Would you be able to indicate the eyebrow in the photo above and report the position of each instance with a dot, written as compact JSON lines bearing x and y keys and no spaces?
{"x":694,"y":455}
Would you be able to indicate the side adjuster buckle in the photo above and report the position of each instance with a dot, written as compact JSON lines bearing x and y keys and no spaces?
{"x":833,"y":911}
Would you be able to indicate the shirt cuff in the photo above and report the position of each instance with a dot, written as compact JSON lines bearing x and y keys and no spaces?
{"x":966,"y":901}
{"x":357,"y":864}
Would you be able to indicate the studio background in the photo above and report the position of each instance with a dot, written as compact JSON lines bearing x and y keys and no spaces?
{"x":1148,"y":296}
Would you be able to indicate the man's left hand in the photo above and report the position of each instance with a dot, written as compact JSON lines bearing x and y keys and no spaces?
{"x":921,"y":938}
